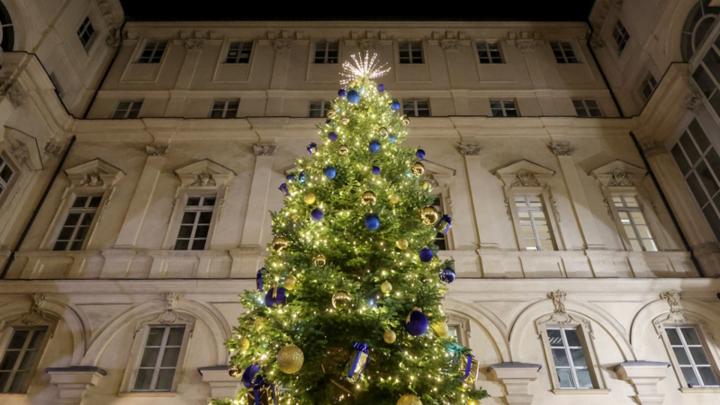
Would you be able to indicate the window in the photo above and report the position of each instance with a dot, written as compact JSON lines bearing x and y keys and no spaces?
{"x":195,"y":225}
{"x":587,"y":108}
{"x":239,"y":52}
{"x":319,"y":109}
{"x":326,"y":52}
{"x":225,"y":108}
{"x":697,"y":27}
{"x":77,"y":224}
{"x":707,"y":75}
{"x":633,"y":223}
{"x":440,"y":238}
{"x":411,"y":52}
{"x":691,"y":356}
{"x":569,"y":358}
{"x":160,"y":358}
{"x":489,"y":52}
{"x":127,"y":109}
{"x":21,"y":358}
{"x":533,"y":228}
{"x":621,"y":36}
{"x":8,"y":33}
{"x":648,"y":86}
{"x":563,"y":52}
{"x":7,"y":174}
{"x":416,"y":107}
{"x":504,"y":108}
{"x":700,"y":164}
{"x":86,"y":33}
{"x":153,"y":52}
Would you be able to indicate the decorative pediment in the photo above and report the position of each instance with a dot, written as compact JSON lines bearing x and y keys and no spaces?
{"x":204,"y":174}
{"x":618,"y":173}
{"x":523,"y":173}
{"x":23,"y":148}
{"x":95,"y":173}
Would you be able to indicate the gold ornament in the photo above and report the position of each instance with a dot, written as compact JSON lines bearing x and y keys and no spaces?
{"x":389,"y":337}
{"x":331,"y":114}
{"x":409,"y":399}
{"x":319,"y":260}
{"x":280,"y":243}
{"x":341,"y":300}
{"x":368,"y":197}
{"x":290,"y":359}
{"x":259,"y":323}
{"x":343,"y":150}
{"x":472,"y":401}
{"x":309,"y":198}
{"x":406,"y":121}
{"x":290,"y":283}
{"x":426,"y":186}
{"x":418,"y":169}
{"x":244,"y":344}
{"x":345,"y":120}
{"x":386,"y":287}
{"x":394,"y":199}
{"x":235,"y":372}
{"x":440,"y":328}
{"x":383,"y":131}
{"x":429,"y":215}
{"x":402,"y":244}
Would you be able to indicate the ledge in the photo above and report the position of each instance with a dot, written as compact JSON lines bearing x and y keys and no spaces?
{"x":593,"y":391}
{"x":700,"y":390}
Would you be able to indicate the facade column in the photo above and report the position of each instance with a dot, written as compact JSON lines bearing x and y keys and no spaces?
{"x":73,"y":382}
{"x":479,"y":181}
{"x":193,"y":52}
{"x":278,"y":81}
{"x":644,"y":377}
{"x":697,"y":231}
{"x":516,"y":377}
{"x":222,"y":385}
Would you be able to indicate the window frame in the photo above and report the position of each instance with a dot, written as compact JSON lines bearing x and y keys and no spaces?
{"x":9,"y":185}
{"x":152,"y":59}
{"x":488,"y":45}
{"x":503,"y":108}
{"x":626,"y":239}
{"x":548,"y":219}
{"x":225,"y":108}
{"x":128,"y":112}
{"x":6,"y":336}
{"x":683,"y":319}
{"x":324,"y":107}
{"x":621,"y":36}
{"x":703,"y":345}
{"x":85,"y":26}
{"x":415,"y":107}
{"x":82,"y":211}
{"x":585,"y":110}
{"x":326,"y":58}
{"x":552,"y":366}
{"x":412,"y":46}
{"x":238,"y":60}
{"x":649,"y":81}
{"x":202,"y":195}
{"x":564,"y":52}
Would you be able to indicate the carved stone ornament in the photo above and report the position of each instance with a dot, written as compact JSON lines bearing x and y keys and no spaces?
{"x":282,"y":44}
{"x":618,"y":174}
{"x":525,"y":41}
{"x":693,"y":100}
{"x":37,"y":313}
{"x":524,"y":173}
{"x":264,"y":149}
{"x":560,"y":148}
{"x":156,"y":149}
{"x":450,"y":44}
{"x":204,"y":174}
{"x":525,"y":178}
{"x":95,"y":173}
{"x":469,"y":149}
{"x":558,"y":300}
{"x":619,"y":178}
{"x":676,"y":312}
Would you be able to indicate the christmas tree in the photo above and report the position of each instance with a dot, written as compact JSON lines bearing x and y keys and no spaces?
{"x":348,"y":304}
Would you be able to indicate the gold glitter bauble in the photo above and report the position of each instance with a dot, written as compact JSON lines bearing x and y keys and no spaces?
{"x":319,"y":260}
{"x":244,"y":344}
{"x":345,"y":120}
{"x":418,"y":169}
{"x":331,"y":114}
{"x":386,"y":287}
{"x":429,"y":215}
{"x":389,"y":337}
{"x":235,"y":372}
{"x":343,"y":150}
{"x":402,"y":244}
{"x":290,"y":359}
{"x":394,"y":199}
{"x":290,"y":283}
{"x":279,"y":244}
{"x":341,"y":300}
{"x":409,"y":399}
{"x":368,"y":197}
{"x":309,"y":198}
{"x":472,"y":401}
{"x":259,"y":323}
{"x":440,"y":328}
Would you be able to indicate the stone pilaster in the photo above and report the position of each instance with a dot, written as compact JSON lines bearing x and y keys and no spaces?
{"x":222,"y":385}
{"x":73,"y":382}
{"x":516,"y":377}
{"x":644,"y":377}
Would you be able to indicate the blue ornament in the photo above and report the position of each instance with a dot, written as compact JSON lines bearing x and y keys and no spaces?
{"x":381,"y":87}
{"x":301,"y":177}
{"x":317,"y":214}
{"x":374,"y":146}
{"x":259,"y":278}
{"x":395,"y":105}
{"x":312,"y":148}
{"x":290,"y":177}
{"x":420,"y":154}
{"x":426,"y":254}
{"x":284,"y":188}
{"x":353,"y":96}
{"x":444,"y":224}
{"x":342,"y":93}
{"x":275,"y":296}
{"x":332,"y":136}
{"x":447,"y":275}
{"x":330,"y":172}
{"x":392,"y":138}
{"x":417,"y":323}
{"x":248,"y":376}
{"x":372,"y":222}
{"x":375,"y":170}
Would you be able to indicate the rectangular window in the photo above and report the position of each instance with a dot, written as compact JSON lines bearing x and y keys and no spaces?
{"x":533,"y":227}
{"x":621,"y":36}
{"x":7,"y":173}
{"x":195,"y":225}
{"x":489,"y":52}
{"x":633,"y":223}
{"x":152,"y":52}
{"x":648,"y":86}
{"x":225,"y":108}
{"x":700,"y":164}
{"x":86,"y":33}
{"x":160,"y":358}
{"x":587,"y":108}
{"x":319,"y":109}
{"x":77,"y":224}
{"x":127,"y":109}
{"x":239,"y":52}
{"x":563,"y":52}
{"x":326,"y":52}
{"x":504,"y":108}
{"x":416,"y":107}
{"x":707,"y":76}
{"x":21,"y":358}
{"x":692,"y":357}
{"x":411,"y":52}
{"x":569,"y":358}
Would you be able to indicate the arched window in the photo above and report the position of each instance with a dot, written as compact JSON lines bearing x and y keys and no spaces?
{"x":7,"y":36}
{"x":697,"y":26}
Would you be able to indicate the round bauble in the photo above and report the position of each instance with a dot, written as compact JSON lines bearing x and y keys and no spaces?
{"x":319,"y":260}
{"x":341,"y":300}
{"x":409,"y":399}
{"x":345,"y":120}
{"x":317,"y":214}
{"x":440,"y":328}
{"x":353,"y":96}
{"x":248,"y":376}
{"x":301,"y":178}
{"x":244,"y":344}
{"x":372,"y":222}
{"x":279,"y":244}
{"x":426,"y":254}
{"x":259,"y":323}
{"x":395,"y":105}
{"x":368,"y":198}
{"x":447,"y":275}
{"x":392,"y":138}
{"x":311,"y":148}
{"x":394,"y":199}
{"x":234,"y":372}
{"x":290,"y":283}
{"x":386,"y":287}
{"x":343,"y":150}
{"x":310,"y":198}
{"x":290,"y":359}
{"x":374,"y":146}
{"x":420,"y":154}
{"x":276,"y":296}
{"x":473,"y":401}
{"x":418,"y":168}
{"x":330,"y":172}
{"x":389,"y":337}
{"x":333,"y":136}
{"x":429,"y":215}
{"x":342,"y":93}
{"x":380,"y":88}
{"x":284,"y":188}
{"x":402,"y":244}
{"x":375,"y":170}
{"x":417,"y":323}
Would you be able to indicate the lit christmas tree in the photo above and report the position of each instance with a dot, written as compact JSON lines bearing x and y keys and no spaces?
{"x":348,"y":306}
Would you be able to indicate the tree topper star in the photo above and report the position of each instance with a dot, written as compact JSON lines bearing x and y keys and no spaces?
{"x":362,"y":66}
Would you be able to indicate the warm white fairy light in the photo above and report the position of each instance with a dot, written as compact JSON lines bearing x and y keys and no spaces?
{"x":362,"y":66}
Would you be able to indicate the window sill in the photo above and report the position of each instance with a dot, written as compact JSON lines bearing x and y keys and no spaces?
{"x":701,"y":390}
{"x":579,"y":391}
{"x":10,"y":395}
{"x":161,"y":394}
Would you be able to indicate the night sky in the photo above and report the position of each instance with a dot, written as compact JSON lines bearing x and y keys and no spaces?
{"x":482,"y":10}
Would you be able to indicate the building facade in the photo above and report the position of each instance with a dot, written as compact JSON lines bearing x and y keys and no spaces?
{"x":139,"y":162}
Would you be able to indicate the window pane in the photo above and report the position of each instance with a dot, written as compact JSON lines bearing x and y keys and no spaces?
{"x":699,"y":135}
{"x":198,"y":244}
{"x":578,"y":357}
{"x":554,"y":337}
{"x":19,"y":382}
{"x":572,"y":337}
{"x":18,"y":339}
{"x":689,"y":147}
{"x":165,"y":377}
{"x":696,"y":189}
{"x":690,"y":377}
{"x":680,"y":159}
{"x":560,"y":357}
{"x":9,"y":360}
{"x":143,"y":379}
{"x":188,"y":218}
{"x":698,"y":355}
{"x":171,"y":357}
{"x":155,"y":336}
{"x":175,"y":336}
{"x":707,"y":178}
{"x":691,"y":336}
{"x":707,"y":375}
{"x":673,"y":336}
{"x":149,"y":357}
{"x":584,"y":380}
{"x":565,"y":378}
{"x":185,"y":231}
{"x":681,"y":355}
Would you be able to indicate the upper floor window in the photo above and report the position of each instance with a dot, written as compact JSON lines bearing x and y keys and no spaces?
{"x":621,"y":36}
{"x":707,"y":76}
{"x":152,"y":52}
{"x":319,"y":109}
{"x":326,"y":52}
{"x":21,"y":358}
{"x":569,"y":358}
{"x":7,"y":175}
{"x":225,"y":108}
{"x":86,"y":33}
{"x":160,"y":357}
{"x":489,"y":52}
{"x":8,"y":33}
{"x":127,"y":109}
{"x":416,"y":107}
{"x":587,"y":108}
{"x":195,"y":223}
{"x":534,"y":232}
{"x":504,"y":108}
{"x":700,"y":164}
{"x":411,"y":52}
{"x":633,"y":223}
{"x":239,"y":52}
{"x":697,"y":27}
{"x":691,"y":356}
{"x":77,"y":223}
{"x":563,"y":52}
{"x":648,"y":86}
